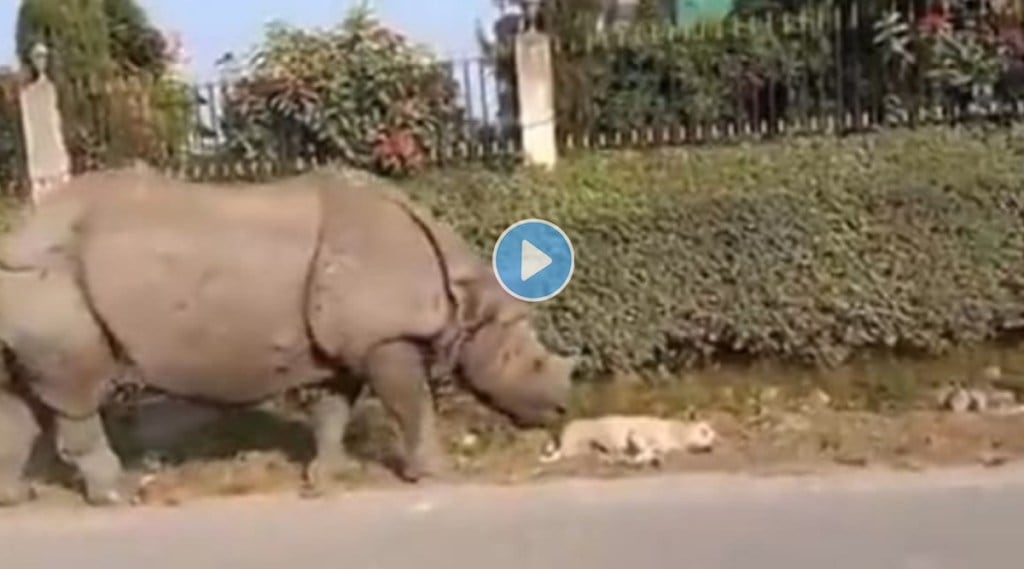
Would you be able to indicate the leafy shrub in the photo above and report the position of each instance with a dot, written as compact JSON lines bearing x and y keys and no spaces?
{"x":75,"y":32}
{"x":650,"y":73}
{"x":115,"y":118}
{"x":112,"y":69}
{"x":10,"y":132}
{"x":736,"y":72}
{"x":961,"y":66}
{"x":358,"y":92}
{"x":91,"y":36}
{"x":135,"y":44}
{"x":775,"y":61}
{"x":810,"y":251}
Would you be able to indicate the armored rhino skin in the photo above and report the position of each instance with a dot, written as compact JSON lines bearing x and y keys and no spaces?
{"x":237,"y":295}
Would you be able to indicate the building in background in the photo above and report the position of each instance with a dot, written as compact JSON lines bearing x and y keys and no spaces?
{"x":617,"y":12}
{"x":683,"y":13}
{"x":689,"y":12}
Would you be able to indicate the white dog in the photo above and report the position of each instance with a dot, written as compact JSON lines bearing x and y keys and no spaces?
{"x":636,"y":439}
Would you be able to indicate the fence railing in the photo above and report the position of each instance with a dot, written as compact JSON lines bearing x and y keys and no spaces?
{"x":444,"y":112}
{"x":834,"y":67}
{"x":824,"y":69}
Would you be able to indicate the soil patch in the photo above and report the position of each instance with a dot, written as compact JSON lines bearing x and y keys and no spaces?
{"x":774,"y":432}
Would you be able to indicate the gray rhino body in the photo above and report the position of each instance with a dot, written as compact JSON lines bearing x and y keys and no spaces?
{"x":237,"y":295}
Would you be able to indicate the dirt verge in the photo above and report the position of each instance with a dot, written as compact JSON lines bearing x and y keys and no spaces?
{"x":768,"y":424}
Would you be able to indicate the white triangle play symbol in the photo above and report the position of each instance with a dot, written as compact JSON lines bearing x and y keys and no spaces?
{"x":533,"y":261}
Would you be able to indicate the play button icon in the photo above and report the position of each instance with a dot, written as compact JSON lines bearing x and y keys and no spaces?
{"x":533,"y":260}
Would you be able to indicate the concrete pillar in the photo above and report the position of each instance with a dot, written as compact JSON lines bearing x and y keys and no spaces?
{"x":535,"y":80}
{"x":46,"y":153}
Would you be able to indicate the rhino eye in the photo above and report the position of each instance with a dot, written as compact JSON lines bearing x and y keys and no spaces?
{"x":538,"y":364}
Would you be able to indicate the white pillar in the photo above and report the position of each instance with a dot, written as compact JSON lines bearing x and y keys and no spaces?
{"x":46,"y":153}
{"x":535,"y":81}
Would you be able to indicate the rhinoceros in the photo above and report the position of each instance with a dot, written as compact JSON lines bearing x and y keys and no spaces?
{"x":234,"y":296}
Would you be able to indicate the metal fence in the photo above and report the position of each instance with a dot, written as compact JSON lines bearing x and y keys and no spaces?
{"x":831,"y":68}
{"x":436,"y":114}
{"x":834,"y":67}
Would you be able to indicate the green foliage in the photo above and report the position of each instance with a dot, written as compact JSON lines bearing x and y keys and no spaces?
{"x":810,"y":250}
{"x":729,"y":73}
{"x":76,"y":33}
{"x":776,"y":61}
{"x":10,"y":132}
{"x":358,"y":91}
{"x":651,"y":11}
{"x":110,"y":65}
{"x":962,"y":65}
{"x":113,"y":120}
{"x":134,"y":43}
{"x":648,"y":73}
{"x":89,"y":37}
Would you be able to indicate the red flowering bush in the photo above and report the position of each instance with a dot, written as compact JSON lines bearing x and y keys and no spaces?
{"x":358,"y":92}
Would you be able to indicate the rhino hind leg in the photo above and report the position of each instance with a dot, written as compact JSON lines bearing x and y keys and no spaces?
{"x":65,"y":360}
{"x":18,"y":433}
{"x":397,"y":373}
{"x":329,"y":413}
{"x":83,"y":443}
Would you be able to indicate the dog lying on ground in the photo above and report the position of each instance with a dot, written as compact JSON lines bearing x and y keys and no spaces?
{"x":633,"y":439}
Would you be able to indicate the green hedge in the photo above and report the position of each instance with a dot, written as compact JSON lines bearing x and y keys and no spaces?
{"x":806,"y":251}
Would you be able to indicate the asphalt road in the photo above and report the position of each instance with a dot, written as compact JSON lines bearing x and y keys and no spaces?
{"x":953,"y":519}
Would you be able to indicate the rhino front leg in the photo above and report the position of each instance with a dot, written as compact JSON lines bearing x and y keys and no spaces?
{"x":18,"y":432}
{"x":329,"y":414}
{"x":398,"y":375}
{"x":83,"y":443}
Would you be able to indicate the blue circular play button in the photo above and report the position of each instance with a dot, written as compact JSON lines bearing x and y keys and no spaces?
{"x":533,"y":260}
